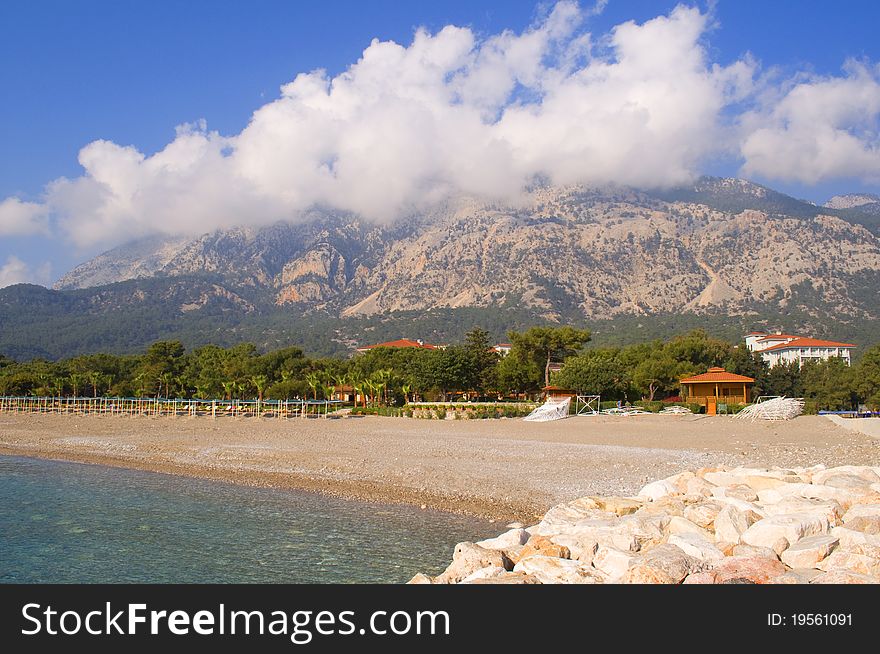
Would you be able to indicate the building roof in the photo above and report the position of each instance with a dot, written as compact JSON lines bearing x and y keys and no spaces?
{"x":806,"y":342}
{"x":401,"y":342}
{"x":502,"y":345}
{"x":716,"y":375}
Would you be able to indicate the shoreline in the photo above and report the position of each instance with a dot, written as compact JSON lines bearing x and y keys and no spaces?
{"x":502,"y":470}
{"x":354,"y":491}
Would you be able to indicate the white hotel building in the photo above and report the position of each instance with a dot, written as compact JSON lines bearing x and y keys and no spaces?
{"x":786,"y":348}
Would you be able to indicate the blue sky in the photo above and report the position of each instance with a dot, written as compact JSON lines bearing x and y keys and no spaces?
{"x":130,"y":72}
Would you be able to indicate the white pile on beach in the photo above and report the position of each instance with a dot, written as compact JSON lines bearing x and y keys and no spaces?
{"x":716,"y":525}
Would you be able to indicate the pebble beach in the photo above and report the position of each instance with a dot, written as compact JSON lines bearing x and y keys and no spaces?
{"x":504,"y":469}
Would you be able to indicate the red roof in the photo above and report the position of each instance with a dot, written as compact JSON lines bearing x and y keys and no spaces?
{"x":806,"y":342}
{"x":716,"y":375}
{"x":402,"y":342}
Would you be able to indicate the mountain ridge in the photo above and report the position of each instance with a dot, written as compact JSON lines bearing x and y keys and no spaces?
{"x":723,"y":248}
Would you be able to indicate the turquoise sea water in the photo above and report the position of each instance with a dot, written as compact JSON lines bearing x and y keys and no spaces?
{"x":74,"y":523}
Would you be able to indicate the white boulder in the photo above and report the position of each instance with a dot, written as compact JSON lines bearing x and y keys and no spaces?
{"x":809,"y":551}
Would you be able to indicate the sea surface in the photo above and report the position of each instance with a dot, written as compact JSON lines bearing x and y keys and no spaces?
{"x":76,"y":523}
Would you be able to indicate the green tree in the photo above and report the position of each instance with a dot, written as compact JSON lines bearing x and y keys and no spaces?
{"x":659,"y":373}
{"x":699,"y":349}
{"x":516,"y":373}
{"x":598,"y":372}
{"x":829,"y":383}
{"x":868,"y":376}
{"x":482,"y":373}
{"x":784,"y":379}
{"x":743,"y":362}
{"x":259,"y":382}
{"x":313,"y":379}
{"x":543,"y":345}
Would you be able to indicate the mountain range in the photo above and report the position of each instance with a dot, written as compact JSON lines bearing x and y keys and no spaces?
{"x":723,"y":253}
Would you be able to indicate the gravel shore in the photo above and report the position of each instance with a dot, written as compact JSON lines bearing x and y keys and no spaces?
{"x":502,"y":469}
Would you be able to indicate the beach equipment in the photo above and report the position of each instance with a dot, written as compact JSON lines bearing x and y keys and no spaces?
{"x":555,"y":408}
{"x":676,"y":411}
{"x":625,"y":411}
{"x":776,"y":408}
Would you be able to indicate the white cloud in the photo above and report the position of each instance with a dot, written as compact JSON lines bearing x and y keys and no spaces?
{"x":16,"y":271}
{"x":18,"y":218}
{"x":454,"y":112}
{"x":818,"y":128}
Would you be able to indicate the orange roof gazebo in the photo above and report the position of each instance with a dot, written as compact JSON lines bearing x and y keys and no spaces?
{"x":717,"y":386}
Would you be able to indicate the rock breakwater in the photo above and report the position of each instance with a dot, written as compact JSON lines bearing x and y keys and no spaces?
{"x":710,"y":526}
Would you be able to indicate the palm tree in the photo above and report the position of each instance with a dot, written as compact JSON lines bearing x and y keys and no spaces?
{"x":328,"y":390}
{"x":166,"y":378}
{"x":406,"y":388}
{"x":381,"y":379}
{"x":259,"y":382}
{"x":95,"y":378}
{"x":142,"y":389}
{"x":372,"y":386}
{"x":75,"y":380}
{"x":313,"y":379}
{"x":229,"y":388}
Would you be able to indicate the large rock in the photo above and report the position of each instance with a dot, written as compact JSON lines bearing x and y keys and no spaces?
{"x":657,"y":489}
{"x":791,"y":527}
{"x":706,"y":577}
{"x":483,"y":573}
{"x":864,"y":518}
{"x":748,"y":569}
{"x":696,"y":546}
{"x":610,"y":535}
{"x":680,"y":481}
{"x":663,"y":564}
{"x":566,"y":515}
{"x":507,"y":540}
{"x":512,"y":578}
{"x":741,"y":505}
{"x":757,"y":483}
{"x":732,"y":522}
{"x":741,"y":492}
{"x":703,"y":514}
{"x":543,"y":546}
{"x":666,"y":506}
{"x":845,"y":496}
{"x":854,"y":482}
{"x":647,"y":530}
{"x":841,"y":559}
{"x":808,"y":552}
{"x":421,"y":579}
{"x":752,"y":551}
{"x":850,"y":537}
{"x":865,"y":472}
{"x":793,"y":504}
{"x":619,"y":505}
{"x":585,"y":503}
{"x":699,"y":486}
{"x":678,"y":525}
{"x":612,"y":562}
{"x":467,"y":559}
{"x":580,"y":549}
{"x":553,"y":570}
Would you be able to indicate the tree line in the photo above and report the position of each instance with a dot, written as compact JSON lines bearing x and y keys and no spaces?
{"x":389,"y":376}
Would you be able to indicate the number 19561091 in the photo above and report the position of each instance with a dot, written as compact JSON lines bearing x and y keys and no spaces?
{"x":810,"y":620}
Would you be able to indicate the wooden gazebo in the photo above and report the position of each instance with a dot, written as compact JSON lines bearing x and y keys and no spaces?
{"x":717,"y":386}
